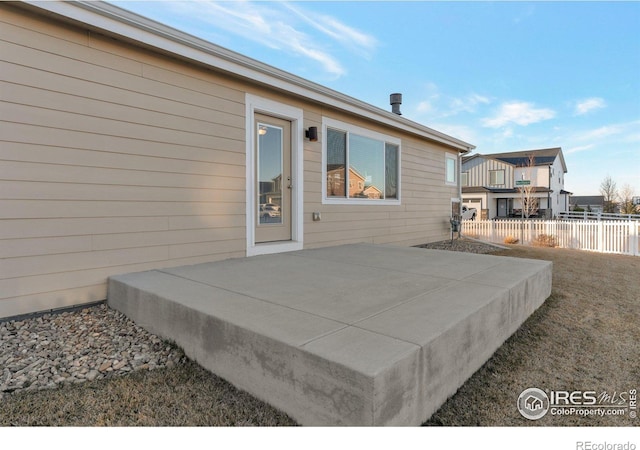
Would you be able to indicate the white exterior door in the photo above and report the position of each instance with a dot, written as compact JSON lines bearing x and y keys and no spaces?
{"x":274,"y":176}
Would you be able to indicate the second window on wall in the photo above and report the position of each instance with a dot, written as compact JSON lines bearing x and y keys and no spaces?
{"x":360,"y":165}
{"x":496,"y":177}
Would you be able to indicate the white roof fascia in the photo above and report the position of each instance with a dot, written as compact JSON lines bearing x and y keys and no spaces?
{"x":564,"y":165}
{"x":118,"y":21}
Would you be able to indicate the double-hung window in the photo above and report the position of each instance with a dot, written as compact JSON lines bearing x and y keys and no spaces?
{"x":359,"y":165}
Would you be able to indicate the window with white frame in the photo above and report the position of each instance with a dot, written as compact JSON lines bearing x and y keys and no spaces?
{"x":496,"y":177}
{"x":450,"y":168}
{"x":464,"y":179}
{"x":360,"y":165}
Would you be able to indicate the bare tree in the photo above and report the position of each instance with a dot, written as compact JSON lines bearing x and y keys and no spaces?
{"x":609,"y":191}
{"x":530,"y":201}
{"x":626,"y":200}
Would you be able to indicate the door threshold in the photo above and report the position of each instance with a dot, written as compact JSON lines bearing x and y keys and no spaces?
{"x":268,"y":248}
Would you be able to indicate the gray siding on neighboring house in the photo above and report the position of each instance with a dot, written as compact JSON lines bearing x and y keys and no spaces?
{"x":478,"y":169}
{"x":117,"y":159}
{"x":548,"y":175}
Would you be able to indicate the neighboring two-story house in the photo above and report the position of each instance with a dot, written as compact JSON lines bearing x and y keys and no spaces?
{"x":492,"y":183}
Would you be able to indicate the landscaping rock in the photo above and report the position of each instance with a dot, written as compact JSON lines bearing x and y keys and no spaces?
{"x":76,"y":347}
{"x":463,"y":245}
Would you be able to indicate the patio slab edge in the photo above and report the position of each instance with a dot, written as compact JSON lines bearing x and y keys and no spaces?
{"x":323,"y":372}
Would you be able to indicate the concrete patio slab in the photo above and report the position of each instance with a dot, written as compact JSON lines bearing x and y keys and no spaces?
{"x":370,"y":290}
{"x":352,"y":335}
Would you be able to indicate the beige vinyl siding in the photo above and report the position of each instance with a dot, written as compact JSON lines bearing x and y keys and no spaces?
{"x":116,"y":159}
{"x":112,"y":159}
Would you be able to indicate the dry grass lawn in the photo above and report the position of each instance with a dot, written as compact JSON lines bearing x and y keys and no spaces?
{"x":585,"y":337}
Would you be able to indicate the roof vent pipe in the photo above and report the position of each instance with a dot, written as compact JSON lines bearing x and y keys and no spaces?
{"x":396,"y":101}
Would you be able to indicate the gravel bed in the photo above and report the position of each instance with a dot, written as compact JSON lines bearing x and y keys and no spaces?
{"x":75,"y":347}
{"x":463,"y":245}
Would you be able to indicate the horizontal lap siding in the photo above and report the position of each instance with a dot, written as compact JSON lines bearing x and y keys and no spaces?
{"x":422,"y":216}
{"x":112,"y":160}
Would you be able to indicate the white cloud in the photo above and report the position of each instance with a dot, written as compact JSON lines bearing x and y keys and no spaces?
{"x":467,"y":104}
{"x":579,"y":148}
{"x":507,"y":133}
{"x":431,"y":95}
{"x":602,"y":132}
{"x":348,"y":36}
{"x":283,"y":27}
{"x":462,"y":132}
{"x":606,"y":137}
{"x":425,"y":107}
{"x":632,"y":138}
{"x":519,"y":113}
{"x":439,"y":105}
{"x":588,"y":105}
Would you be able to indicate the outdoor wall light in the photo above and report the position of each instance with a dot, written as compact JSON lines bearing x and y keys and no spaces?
{"x":262,"y":130}
{"x":312,"y":134}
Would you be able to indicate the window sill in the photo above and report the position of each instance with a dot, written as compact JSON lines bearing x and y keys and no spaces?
{"x":358,"y":201}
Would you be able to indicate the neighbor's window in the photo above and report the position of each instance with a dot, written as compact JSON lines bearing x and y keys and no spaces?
{"x":496,"y":177}
{"x":464,"y":178}
{"x":372,"y":160}
{"x":450,"y":168}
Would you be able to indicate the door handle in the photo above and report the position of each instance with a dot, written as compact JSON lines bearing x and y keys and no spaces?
{"x":289,"y":180}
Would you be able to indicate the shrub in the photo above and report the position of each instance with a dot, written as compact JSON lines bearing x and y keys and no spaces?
{"x":545,"y":240}
{"x":511,"y":240}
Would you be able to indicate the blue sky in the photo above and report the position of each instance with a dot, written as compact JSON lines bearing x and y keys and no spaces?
{"x":503,"y":76}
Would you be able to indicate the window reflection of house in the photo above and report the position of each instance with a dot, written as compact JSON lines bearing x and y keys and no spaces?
{"x":357,"y":184}
{"x":358,"y":187}
{"x":372,"y":192}
{"x":335,"y":180}
{"x":271,"y":191}
{"x":375,"y":155}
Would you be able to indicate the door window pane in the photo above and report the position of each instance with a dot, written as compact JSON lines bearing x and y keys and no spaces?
{"x":269,"y":173}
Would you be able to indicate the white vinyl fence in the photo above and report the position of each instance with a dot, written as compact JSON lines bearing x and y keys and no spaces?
{"x":584,"y":215}
{"x":605,"y":236}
